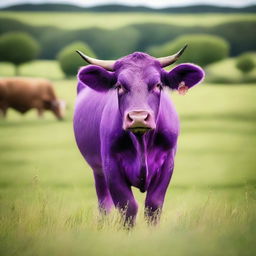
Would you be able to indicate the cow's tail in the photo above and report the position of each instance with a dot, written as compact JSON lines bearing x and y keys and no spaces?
{"x":80,"y":87}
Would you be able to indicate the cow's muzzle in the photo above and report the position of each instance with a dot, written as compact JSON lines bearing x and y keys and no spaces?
{"x":139,"y":121}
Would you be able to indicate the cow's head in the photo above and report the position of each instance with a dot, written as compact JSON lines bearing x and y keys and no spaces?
{"x":138,"y":80}
{"x":59,"y":108}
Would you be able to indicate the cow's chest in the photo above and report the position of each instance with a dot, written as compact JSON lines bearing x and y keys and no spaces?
{"x":140,"y":163}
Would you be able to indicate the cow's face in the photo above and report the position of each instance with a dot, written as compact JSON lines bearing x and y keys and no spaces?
{"x":138,"y":89}
{"x":59,"y":108}
{"x":138,"y":80}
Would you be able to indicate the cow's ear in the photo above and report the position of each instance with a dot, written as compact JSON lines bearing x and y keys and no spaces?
{"x":184,"y":76}
{"x":97,"y":78}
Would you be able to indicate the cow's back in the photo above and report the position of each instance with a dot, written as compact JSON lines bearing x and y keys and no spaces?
{"x":23,"y":94}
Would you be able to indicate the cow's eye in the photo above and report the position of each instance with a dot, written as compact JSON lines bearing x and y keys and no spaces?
{"x":157,"y":88}
{"x":120,"y":89}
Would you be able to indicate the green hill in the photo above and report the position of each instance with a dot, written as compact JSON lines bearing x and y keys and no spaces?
{"x":124,"y":8}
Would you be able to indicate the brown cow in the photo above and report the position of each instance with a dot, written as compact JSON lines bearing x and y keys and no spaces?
{"x":23,"y":94}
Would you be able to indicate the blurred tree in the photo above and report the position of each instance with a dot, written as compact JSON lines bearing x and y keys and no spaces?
{"x":242,"y":41}
{"x":162,"y":33}
{"x":131,"y":38}
{"x":53,"y":40}
{"x":203,"y":48}
{"x":70,"y":61}
{"x":18,"y":48}
{"x":111,"y":44}
{"x":245,"y":63}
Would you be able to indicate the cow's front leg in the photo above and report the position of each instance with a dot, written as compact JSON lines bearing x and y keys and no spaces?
{"x":104,"y":198}
{"x":3,"y":110}
{"x":121,"y":194}
{"x":40,"y":112}
{"x":156,"y":192}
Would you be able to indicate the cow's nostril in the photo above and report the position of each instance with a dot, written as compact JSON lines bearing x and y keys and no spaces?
{"x":147,"y":118}
{"x":129,"y":118}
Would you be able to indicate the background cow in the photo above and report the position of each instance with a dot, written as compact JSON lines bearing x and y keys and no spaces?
{"x":127,"y":128}
{"x":23,"y":94}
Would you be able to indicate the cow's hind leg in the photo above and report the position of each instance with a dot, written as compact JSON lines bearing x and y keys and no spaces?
{"x":3,"y":110}
{"x":40,"y":112}
{"x":104,"y":198}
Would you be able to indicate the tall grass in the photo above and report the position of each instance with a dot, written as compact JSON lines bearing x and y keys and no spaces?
{"x":197,"y":223}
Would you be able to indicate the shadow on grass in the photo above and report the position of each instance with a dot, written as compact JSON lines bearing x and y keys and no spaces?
{"x":251,"y":183}
{"x":7,"y":163}
{"x":221,"y":129}
{"x":246,"y":117}
{"x":64,"y":185}
{"x":26,"y":123}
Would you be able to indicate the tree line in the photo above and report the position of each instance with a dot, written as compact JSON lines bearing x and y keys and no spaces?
{"x":112,"y":44}
{"x":124,"y":8}
{"x":206,"y":45}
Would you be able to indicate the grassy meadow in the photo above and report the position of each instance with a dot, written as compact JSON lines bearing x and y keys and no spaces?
{"x":48,"y":201}
{"x":38,"y":68}
{"x":117,"y":20}
{"x":225,"y":71}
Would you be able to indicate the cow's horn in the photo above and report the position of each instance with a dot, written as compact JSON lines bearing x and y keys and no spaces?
{"x":107,"y":64}
{"x":166,"y":61}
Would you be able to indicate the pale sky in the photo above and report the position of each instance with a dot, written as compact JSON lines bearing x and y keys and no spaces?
{"x":151,"y":3}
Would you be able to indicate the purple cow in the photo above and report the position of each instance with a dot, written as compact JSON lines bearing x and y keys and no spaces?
{"x":127,"y":128}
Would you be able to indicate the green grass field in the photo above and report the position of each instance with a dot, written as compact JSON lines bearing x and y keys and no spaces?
{"x":49,"y":69}
{"x":116,"y":20}
{"x":48,"y":201}
{"x":225,"y":71}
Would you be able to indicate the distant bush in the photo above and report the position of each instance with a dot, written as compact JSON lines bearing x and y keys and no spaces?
{"x":110,"y":44}
{"x":11,"y":25}
{"x":203,"y":49}
{"x":18,"y":48}
{"x":245,"y":63}
{"x":240,"y":35}
{"x":158,"y":33}
{"x":114,"y":43}
{"x":107,"y":44}
{"x":54,"y":40}
{"x":70,"y":61}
